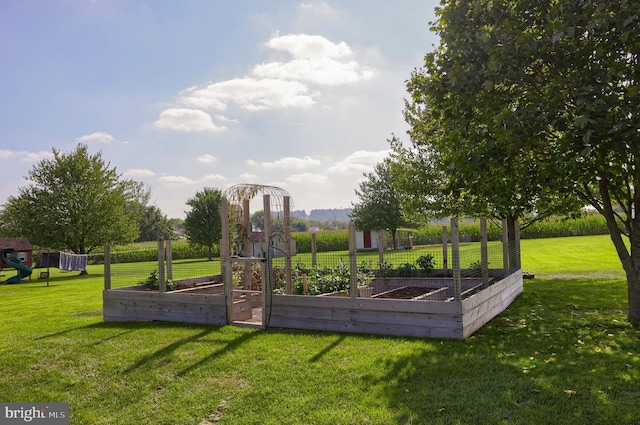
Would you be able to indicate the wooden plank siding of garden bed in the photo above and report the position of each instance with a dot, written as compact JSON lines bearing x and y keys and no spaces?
{"x":142,"y":306}
{"x":366,"y":315}
{"x":479,"y":308}
{"x":435,"y":319}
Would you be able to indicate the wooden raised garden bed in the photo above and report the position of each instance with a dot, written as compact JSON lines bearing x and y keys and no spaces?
{"x":403,"y":317}
{"x":200,"y":300}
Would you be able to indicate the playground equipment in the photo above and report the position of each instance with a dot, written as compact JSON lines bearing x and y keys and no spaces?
{"x":16,"y":263}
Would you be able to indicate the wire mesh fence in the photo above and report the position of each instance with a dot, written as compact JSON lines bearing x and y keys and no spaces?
{"x":147,"y":272}
{"x":315,"y":273}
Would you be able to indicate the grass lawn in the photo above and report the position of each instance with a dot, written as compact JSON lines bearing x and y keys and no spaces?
{"x":562,"y":353}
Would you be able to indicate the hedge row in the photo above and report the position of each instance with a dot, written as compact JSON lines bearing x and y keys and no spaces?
{"x":326,"y":241}
{"x":587,"y":225}
{"x":132,"y":255}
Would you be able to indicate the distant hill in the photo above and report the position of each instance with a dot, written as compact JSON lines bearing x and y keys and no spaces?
{"x":325,"y":215}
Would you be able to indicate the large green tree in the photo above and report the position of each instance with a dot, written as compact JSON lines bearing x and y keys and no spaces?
{"x":378,"y":206}
{"x":202,"y":222}
{"x":475,"y":119}
{"x":74,"y":202}
{"x":153,"y":225}
{"x":536,"y":102}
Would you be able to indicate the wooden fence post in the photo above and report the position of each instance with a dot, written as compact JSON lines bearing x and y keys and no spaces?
{"x":287,"y":245}
{"x":484,"y":252}
{"x":353,"y":265}
{"x":246,"y":245}
{"x":505,"y":247}
{"x":161,"y":277}
{"x":445,"y":251}
{"x":455,"y":259}
{"x":225,"y":263}
{"x":107,"y":267}
{"x":517,"y":246}
{"x":381,"y":247}
{"x":169,"y":256}
{"x":266,"y":208}
{"x":313,"y":250}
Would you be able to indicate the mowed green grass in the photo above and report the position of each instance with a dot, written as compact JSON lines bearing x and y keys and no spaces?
{"x":562,"y":353}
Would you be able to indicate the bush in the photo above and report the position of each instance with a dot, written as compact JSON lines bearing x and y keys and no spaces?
{"x":325,"y":280}
{"x":153,"y":280}
{"x":426,"y":263}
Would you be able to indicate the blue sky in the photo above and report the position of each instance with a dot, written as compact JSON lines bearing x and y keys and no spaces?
{"x":189,"y":94}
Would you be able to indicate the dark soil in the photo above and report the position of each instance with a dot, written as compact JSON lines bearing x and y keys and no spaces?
{"x":405,"y":293}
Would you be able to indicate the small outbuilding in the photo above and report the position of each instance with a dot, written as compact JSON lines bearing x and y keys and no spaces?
{"x":22,"y":250}
{"x":368,"y":240}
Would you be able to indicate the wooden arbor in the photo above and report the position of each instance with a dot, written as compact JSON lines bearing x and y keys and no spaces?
{"x":238,"y":246}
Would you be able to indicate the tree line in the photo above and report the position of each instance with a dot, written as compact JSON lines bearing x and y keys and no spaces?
{"x":78,"y":202}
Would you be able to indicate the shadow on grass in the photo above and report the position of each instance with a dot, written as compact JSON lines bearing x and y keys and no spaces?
{"x":130,"y":326}
{"x":328,"y":348}
{"x":166,"y":351}
{"x":231,"y":345}
{"x":570,"y":359}
{"x":36,"y":283}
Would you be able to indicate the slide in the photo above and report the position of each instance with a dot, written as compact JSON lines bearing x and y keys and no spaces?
{"x":23,"y":271}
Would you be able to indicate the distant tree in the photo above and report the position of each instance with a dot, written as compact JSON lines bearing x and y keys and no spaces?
{"x":153,"y":225}
{"x":297,"y":224}
{"x":379,"y":206}
{"x":202,"y":222}
{"x":257,"y":220}
{"x":177,"y":225}
{"x":74,"y":202}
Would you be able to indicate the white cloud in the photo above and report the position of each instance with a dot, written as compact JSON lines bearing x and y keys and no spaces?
{"x":250,"y":94}
{"x":176,"y":181}
{"x":318,"y":9}
{"x":98,"y":137}
{"x":277,"y":84}
{"x":309,"y":46}
{"x":307,"y":178}
{"x":288,"y":162}
{"x":316,"y":60}
{"x":35,"y":156}
{"x":359,"y":162}
{"x":182,"y":119}
{"x":6,"y":154}
{"x":248,"y":177}
{"x":222,"y":118}
{"x":214,"y":177}
{"x":320,"y":71}
{"x":138,"y":172}
{"x":206,"y":159}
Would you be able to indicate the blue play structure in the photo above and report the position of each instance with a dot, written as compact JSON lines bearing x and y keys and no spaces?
{"x":16,"y":263}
